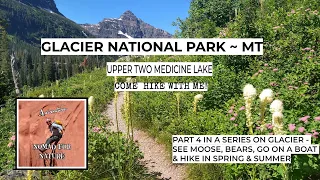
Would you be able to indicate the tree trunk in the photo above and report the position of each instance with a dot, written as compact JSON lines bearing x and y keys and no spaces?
{"x":15,"y":74}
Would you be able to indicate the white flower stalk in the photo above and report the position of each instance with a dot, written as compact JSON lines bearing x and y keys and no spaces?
{"x":266,"y":97}
{"x":117,"y":121}
{"x":91,"y":103}
{"x":277,"y":123}
{"x":276,"y":106}
{"x":41,"y":96}
{"x":249,"y":93}
{"x":178,"y":103}
{"x":126,"y":105}
{"x":57,"y":82}
{"x":116,"y":104}
{"x":127,"y":109}
{"x":277,"y":118}
{"x":197,"y":98}
{"x":127,"y":113}
{"x":52,"y":95}
{"x":115,"y":92}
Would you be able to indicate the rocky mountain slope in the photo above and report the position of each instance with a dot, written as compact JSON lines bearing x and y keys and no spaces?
{"x":127,"y":23}
{"x":48,"y":5}
{"x":31,"y":20}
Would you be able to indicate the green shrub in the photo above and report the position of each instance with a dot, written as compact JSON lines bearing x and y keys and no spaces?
{"x":290,"y":66}
{"x":7,"y":134}
{"x":103,"y":152}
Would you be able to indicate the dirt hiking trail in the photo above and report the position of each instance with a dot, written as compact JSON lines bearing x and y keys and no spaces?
{"x":155,"y":158}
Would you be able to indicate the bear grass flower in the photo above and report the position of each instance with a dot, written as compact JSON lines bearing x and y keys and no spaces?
{"x":115,"y":92}
{"x":276,"y":106}
{"x":277,"y":118}
{"x":277,"y":123}
{"x":197,"y":98}
{"x":266,"y":96}
{"x":249,"y":93}
{"x":126,"y":106}
{"x":91,"y":102}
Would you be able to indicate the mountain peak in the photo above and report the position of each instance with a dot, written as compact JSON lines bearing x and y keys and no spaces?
{"x":127,"y":24}
{"x":128,"y":15}
{"x":48,"y":5}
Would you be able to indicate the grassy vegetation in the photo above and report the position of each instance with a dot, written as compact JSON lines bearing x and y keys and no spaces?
{"x":290,"y":67}
{"x":103,"y":144}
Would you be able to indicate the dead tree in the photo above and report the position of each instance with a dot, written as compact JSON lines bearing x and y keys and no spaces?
{"x":84,"y":63}
{"x":15,"y":74}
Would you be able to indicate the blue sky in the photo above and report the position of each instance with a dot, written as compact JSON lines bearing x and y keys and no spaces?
{"x":158,"y":13}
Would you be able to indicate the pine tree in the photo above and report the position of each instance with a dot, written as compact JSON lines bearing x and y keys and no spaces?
{"x":49,"y":69}
{"x":40,"y":71}
{"x":6,"y":81}
{"x":35,"y":78}
{"x":63,"y":73}
{"x":29,"y":65}
{"x":5,"y":60}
